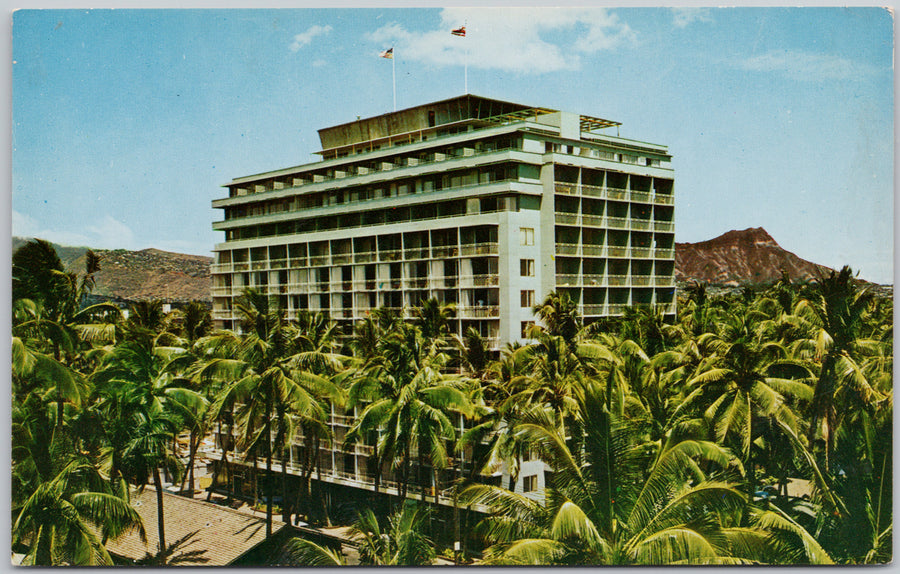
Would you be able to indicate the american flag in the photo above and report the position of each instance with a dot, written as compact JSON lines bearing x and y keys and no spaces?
{"x":389,"y":53}
{"x":461,"y":31}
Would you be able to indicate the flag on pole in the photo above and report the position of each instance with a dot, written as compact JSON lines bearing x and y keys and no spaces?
{"x":389,"y":53}
{"x":461,"y":31}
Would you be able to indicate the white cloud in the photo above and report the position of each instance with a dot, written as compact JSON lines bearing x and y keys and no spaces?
{"x":684,"y":16}
{"x":109,"y":233}
{"x":514,"y":39}
{"x":807,"y":66}
{"x":112,"y":234}
{"x":305,"y":38}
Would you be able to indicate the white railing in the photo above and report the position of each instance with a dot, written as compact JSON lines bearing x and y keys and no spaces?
{"x":615,"y":193}
{"x":478,"y":312}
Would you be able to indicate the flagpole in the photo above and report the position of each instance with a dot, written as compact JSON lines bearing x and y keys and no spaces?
{"x":466,"y":72}
{"x":467,"y":69}
{"x":394,"y":80}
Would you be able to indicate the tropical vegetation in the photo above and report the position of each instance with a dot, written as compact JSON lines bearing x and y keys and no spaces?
{"x":666,"y":441}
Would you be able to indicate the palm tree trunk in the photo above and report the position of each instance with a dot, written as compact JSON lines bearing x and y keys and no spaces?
{"x":189,"y":475}
{"x":377,"y":465}
{"x":268,"y":482}
{"x":160,"y":519}
{"x":285,"y":507}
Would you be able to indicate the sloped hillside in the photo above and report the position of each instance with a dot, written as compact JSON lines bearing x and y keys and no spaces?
{"x":142,"y":275}
{"x":750,"y":256}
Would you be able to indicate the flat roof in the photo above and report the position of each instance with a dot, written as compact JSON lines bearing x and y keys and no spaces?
{"x":439,"y":102}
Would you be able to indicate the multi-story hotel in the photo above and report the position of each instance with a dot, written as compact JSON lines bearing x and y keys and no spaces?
{"x":487,"y":204}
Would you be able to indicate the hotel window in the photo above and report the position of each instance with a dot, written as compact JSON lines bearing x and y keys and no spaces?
{"x":527,"y":235}
{"x":528,"y":298}
{"x":529,"y":483}
{"x":526,"y":267}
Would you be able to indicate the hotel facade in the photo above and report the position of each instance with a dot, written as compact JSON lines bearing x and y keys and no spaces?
{"x":474,"y":201}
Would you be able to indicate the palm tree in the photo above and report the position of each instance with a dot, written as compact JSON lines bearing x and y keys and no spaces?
{"x":275,"y":381}
{"x":146,"y":452}
{"x":603,"y":507}
{"x":401,"y":544}
{"x":616,"y":500}
{"x":559,"y":315}
{"x":735,"y":390}
{"x":61,"y":518}
{"x":410,"y":397}
{"x":434,"y":318}
{"x":831,"y":316}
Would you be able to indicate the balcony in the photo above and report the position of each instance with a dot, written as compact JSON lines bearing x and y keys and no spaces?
{"x":640,"y":224}
{"x":567,"y":218}
{"x":390,"y":255}
{"x":479,"y":248}
{"x":593,"y":221}
{"x":617,"y":222}
{"x":567,"y":248}
{"x":220,"y":268}
{"x":416,"y":283}
{"x":616,"y":193}
{"x":663,"y":199}
{"x":417,"y":253}
{"x":589,"y":250}
{"x":568,"y":279}
{"x":478,"y":312}
{"x":443,"y":251}
{"x":663,"y":226}
{"x":364,"y":257}
{"x":486,"y":280}
{"x":664,"y":281}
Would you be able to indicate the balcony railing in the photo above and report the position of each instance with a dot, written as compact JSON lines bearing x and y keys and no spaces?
{"x":616,"y":193}
{"x":417,"y":252}
{"x":567,"y":248}
{"x":478,"y":312}
{"x":479,"y":248}
{"x":485,"y":280}
{"x":567,"y":218}
{"x":589,"y":250}
{"x":568,"y":279}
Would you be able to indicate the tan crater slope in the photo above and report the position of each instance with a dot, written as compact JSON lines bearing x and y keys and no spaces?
{"x":151,"y":274}
{"x":744,"y":257}
{"x":141,"y":275}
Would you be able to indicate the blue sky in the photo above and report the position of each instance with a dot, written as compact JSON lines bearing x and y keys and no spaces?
{"x":127,"y":122}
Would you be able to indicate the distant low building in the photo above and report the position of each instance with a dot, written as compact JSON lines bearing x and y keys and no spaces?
{"x":198,"y":533}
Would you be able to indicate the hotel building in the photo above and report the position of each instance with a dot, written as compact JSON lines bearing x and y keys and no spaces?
{"x":483,"y":203}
